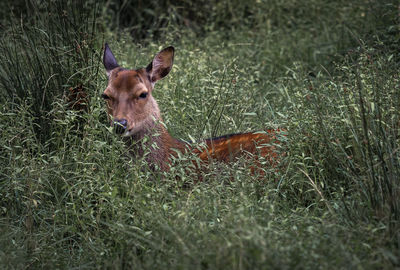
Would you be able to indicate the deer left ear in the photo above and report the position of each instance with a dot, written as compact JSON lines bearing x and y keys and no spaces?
{"x":109,"y":60}
{"x":161,"y":64}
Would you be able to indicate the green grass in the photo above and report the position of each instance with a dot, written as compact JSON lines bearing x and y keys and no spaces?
{"x":71,"y":196}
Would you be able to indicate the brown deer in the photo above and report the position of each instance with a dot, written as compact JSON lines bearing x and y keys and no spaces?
{"x":135,"y":115}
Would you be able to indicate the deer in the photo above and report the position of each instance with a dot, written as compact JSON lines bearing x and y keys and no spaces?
{"x":135,"y":115}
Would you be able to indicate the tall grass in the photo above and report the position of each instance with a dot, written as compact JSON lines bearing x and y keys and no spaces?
{"x":377,"y":144}
{"x":351,"y":129}
{"x":53,"y":48}
{"x":72,"y":197}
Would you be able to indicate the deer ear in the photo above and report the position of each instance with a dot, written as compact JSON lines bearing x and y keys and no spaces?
{"x":161,"y":64}
{"x":109,"y":60}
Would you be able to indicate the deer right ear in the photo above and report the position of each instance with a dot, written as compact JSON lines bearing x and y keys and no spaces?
{"x":109,"y":60}
{"x":161,"y":64}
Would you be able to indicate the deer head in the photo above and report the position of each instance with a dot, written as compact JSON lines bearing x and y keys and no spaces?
{"x":129,"y":92}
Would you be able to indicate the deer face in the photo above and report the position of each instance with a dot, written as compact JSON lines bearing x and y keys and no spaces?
{"x":129,"y":92}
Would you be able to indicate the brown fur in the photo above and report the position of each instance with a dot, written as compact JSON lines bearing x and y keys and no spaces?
{"x":124,"y":97}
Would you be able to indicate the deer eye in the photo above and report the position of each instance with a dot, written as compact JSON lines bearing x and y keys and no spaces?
{"x":104,"y":96}
{"x":143,"y":95}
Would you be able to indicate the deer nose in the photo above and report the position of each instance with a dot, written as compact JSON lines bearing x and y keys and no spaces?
{"x":120,"y":125}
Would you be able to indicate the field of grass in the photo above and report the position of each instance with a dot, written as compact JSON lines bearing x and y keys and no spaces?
{"x":327,"y":71}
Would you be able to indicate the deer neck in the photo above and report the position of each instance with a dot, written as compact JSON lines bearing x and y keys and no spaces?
{"x":153,"y":143}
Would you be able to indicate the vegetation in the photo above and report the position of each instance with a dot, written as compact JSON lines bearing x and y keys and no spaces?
{"x":327,"y":71}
